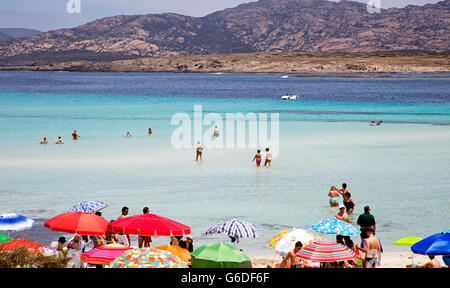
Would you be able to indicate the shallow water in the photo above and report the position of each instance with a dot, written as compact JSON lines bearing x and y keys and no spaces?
{"x":399,"y":168}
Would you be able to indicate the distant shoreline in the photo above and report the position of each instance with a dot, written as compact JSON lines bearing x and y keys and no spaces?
{"x":270,"y":62}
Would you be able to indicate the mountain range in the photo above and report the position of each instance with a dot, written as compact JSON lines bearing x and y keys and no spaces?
{"x":263,"y":26}
{"x":11,"y":33}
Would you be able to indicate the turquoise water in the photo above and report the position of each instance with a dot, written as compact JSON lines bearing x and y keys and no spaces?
{"x":400,"y":168}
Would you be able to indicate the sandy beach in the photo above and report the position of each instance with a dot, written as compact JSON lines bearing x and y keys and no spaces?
{"x":389,"y":260}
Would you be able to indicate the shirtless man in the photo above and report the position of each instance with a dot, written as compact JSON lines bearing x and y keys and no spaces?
{"x":123,"y":215}
{"x":433,"y":263}
{"x":344,"y":189}
{"x":290,"y":261}
{"x":342,"y":215}
{"x":145,"y":240}
{"x":75,"y":135}
{"x":258,"y":158}
{"x":199,"y":151}
{"x":44,"y":141}
{"x":334,"y":197}
{"x":371,"y":247}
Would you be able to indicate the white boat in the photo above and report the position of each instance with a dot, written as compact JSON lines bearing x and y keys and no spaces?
{"x":289,"y":97}
{"x":285,"y":76}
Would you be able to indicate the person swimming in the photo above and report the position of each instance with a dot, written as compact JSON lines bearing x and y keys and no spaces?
{"x":75,"y":135}
{"x":372,"y":123}
{"x":150,"y":132}
{"x":379,"y":122}
{"x":60,"y":141}
{"x":257,"y":158}
{"x":334,"y":196}
{"x":128,"y":134}
{"x":44,"y":141}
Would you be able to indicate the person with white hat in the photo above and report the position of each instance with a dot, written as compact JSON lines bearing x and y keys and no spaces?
{"x":342,"y":215}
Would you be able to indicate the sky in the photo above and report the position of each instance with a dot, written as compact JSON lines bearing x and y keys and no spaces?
{"x":45,"y":15}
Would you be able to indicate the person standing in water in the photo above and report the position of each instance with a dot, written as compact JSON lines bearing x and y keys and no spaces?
{"x":199,"y":151}
{"x":75,"y":135}
{"x":128,"y":134}
{"x":60,"y":141}
{"x":44,"y":141}
{"x":268,"y":158}
{"x":257,"y":158}
{"x":334,"y":196}
{"x":348,"y":203}
{"x":344,"y":189}
{"x":150,"y":132}
{"x":372,"y":123}
{"x":341,"y":215}
{"x":216,"y":132}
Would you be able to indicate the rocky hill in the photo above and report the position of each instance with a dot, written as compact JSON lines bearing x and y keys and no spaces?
{"x":263,"y":26}
{"x":10,"y":33}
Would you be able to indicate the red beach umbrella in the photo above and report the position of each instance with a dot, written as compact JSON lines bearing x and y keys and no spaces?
{"x":104,"y":255}
{"x":149,"y":225}
{"x":81,"y":223}
{"x":15,"y":244}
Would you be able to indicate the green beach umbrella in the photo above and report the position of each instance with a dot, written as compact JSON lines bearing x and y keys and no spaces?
{"x":4,"y":238}
{"x":219,"y":255}
{"x":407,"y":241}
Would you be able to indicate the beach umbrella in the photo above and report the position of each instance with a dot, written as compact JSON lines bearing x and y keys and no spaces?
{"x":147,"y":258}
{"x":12,"y":222}
{"x":407,"y":241}
{"x":32,"y":247}
{"x":181,"y":253}
{"x":89,"y":206}
{"x":104,"y":255}
{"x":235,"y":228}
{"x":219,"y":255}
{"x":149,"y":225}
{"x":325,"y":252}
{"x":285,"y":241}
{"x":82,"y":223}
{"x":4,"y":238}
{"x":334,"y":226}
{"x":437,"y":244}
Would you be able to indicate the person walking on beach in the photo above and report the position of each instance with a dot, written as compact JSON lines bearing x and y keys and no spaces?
{"x":199,"y":151}
{"x":348,"y":203}
{"x":372,"y":249}
{"x":75,"y":135}
{"x":145,"y":239}
{"x":268,"y":157}
{"x":341,"y":215}
{"x":44,"y":141}
{"x":60,"y":141}
{"x":257,"y":158}
{"x":334,"y":196}
{"x":366,"y":221}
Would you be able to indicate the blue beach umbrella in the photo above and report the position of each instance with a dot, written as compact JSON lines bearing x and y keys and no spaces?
{"x":437,"y":244}
{"x":89,"y":206}
{"x":334,"y":226}
{"x":10,"y":222}
{"x":235,"y":228}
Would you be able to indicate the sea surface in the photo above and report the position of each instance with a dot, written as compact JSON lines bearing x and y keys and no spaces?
{"x":400,"y":168}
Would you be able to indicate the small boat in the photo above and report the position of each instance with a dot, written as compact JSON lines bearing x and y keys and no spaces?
{"x":285,"y":76}
{"x":289,"y":97}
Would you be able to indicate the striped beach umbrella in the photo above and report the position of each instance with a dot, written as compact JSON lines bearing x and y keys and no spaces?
{"x":334,"y":226}
{"x":325,"y":252}
{"x":89,"y":206}
{"x":285,"y":241}
{"x":235,"y":228}
{"x":147,"y":258}
{"x":104,"y":255}
{"x":10,"y":222}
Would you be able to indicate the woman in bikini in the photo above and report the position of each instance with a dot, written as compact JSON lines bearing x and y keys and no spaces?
{"x":258,"y":158}
{"x":334,"y":197}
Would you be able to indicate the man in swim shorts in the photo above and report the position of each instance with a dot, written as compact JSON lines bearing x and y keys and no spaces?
{"x":268,"y":157}
{"x":75,"y":135}
{"x":199,"y":151}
